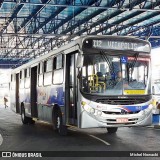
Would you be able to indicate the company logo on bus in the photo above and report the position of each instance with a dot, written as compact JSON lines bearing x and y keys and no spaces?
{"x":123,"y":111}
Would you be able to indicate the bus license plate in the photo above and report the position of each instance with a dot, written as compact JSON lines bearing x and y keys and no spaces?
{"x":122,"y":120}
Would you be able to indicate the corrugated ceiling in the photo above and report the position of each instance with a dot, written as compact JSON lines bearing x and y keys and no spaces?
{"x":30,"y":28}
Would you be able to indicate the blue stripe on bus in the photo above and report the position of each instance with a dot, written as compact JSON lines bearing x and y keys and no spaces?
{"x":56,"y":96}
{"x":134,"y":108}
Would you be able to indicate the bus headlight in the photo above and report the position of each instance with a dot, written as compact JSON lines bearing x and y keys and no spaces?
{"x":90,"y":109}
{"x":87,"y":107}
{"x":99,"y":113}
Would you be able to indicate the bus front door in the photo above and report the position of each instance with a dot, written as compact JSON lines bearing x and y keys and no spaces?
{"x":71,"y":87}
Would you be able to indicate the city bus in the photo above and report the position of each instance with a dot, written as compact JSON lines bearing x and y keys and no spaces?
{"x":94,"y":81}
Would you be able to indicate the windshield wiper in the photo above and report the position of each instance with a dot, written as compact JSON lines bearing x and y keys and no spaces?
{"x":108,"y":62}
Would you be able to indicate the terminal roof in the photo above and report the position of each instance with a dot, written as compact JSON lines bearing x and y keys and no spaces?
{"x":31,"y":28}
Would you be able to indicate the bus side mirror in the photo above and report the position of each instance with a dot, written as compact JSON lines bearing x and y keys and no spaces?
{"x":80,"y":59}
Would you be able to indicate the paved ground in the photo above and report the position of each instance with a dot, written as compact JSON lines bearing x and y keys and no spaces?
{"x":41,"y":137}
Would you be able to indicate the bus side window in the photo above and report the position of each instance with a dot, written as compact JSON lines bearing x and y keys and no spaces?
{"x":27,"y":78}
{"x":48,"y":72}
{"x":12,"y":86}
{"x":22,"y":79}
{"x":58,"y":62}
{"x":58,"y":69}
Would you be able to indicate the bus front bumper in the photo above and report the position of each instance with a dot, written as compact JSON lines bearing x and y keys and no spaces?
{"x":90,"y":121}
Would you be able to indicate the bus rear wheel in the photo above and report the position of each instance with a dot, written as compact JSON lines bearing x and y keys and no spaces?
{"x":25,"y":120}
{"x":112,"y":130}
{"x":58,"y":123}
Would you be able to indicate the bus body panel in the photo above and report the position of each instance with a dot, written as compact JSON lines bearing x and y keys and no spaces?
{"x":47,"y":97}
{"x":26,"y":100}
{"x":77,"y":110}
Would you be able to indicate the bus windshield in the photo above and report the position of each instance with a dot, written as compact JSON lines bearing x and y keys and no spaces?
{"x":104,"y":74}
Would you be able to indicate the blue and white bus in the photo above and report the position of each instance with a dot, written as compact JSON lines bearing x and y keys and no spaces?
{"x":95,"y":81}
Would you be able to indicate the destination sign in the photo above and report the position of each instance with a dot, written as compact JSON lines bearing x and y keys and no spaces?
{"x":139,"y":59}
{"x":117,"y":45}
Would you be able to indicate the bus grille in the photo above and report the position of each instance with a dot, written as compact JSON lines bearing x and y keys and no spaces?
{"x":130,"y":122}
{"x":120,"y":113}
{"x":121,"y":101}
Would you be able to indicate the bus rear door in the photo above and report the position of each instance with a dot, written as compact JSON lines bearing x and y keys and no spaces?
{"x":33,"y":91}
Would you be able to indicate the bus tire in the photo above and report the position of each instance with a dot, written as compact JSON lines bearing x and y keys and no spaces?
{"x":25,"y":120}
{"x":31,"y":121}
{"x":112,"y":130}
{"x":58,"y":123}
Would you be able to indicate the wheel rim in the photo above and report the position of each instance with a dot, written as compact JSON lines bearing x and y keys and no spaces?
{"x":23,"y":115}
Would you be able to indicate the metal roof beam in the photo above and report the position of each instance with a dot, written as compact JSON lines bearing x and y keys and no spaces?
{"x":28,"y":49}
{"x":144,"y":26}
{"x":91,"y":2}
{"x":147,"y":32}
{"x":155,"y":32}
{"x":33,"y":14}
{"x":40,"y":26}
{"x":29,"y":18}
{"x":69,"y":18}
{"x":102,"y":20}
{"x":94,"y":24}
{"x":135,"y":22}
{"x":88,"y":6}
{"x":36,"y":35}
{"x":130,"y":16}
{"x":14,"y":13}
{"x":1,"y":2}
{"x":86,"y":19}
{"x":59,"y":10}
{"x":113,"y":15}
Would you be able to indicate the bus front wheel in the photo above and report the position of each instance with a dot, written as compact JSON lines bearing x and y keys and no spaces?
{"x":58,"y":123}
{"x":112,"y":129}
